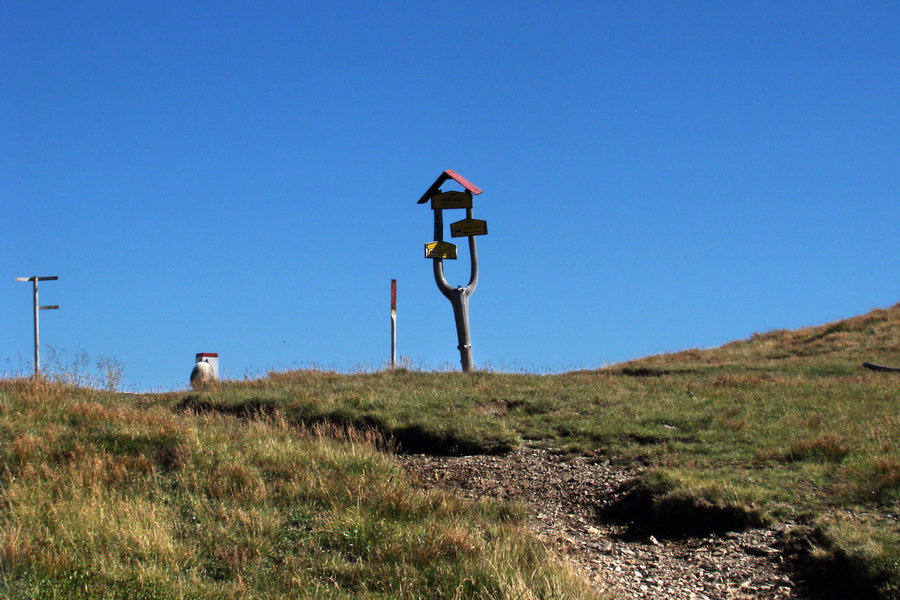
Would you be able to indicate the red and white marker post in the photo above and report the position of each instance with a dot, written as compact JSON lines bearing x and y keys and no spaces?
{"x":393,"y":323}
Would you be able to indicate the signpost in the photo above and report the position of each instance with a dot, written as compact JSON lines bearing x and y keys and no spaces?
{"x":438,"y":250}
{"x":38,"y":308}
{"x":468,"y":227}
{"x":393,"y":323}
{"x":451,"y":200}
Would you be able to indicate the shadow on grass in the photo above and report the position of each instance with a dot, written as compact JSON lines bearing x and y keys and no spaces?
{"x":644,"y":510}
{"x":402,"y":439}
{"x":833,"y":574}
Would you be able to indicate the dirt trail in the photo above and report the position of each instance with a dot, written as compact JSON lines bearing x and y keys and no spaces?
{"x":564,"y":494}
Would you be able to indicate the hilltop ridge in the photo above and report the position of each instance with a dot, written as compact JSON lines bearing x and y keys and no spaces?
{"x":846,"y":343}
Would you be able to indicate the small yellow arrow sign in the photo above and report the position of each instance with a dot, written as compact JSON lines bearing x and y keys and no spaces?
{"x":440,"y":250}
{"x":468,"y":227}
{"x":451,"y":200}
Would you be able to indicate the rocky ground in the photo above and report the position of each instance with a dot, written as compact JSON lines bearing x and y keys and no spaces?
{"x":564,"y":495}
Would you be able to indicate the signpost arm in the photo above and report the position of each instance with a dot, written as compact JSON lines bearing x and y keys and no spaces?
{"x":461,"y":309}
{"x":473,"y":254}
{"x":445,"y":288}
{"x":441,"y":281}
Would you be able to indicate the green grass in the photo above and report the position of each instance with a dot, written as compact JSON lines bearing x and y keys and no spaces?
{"x":115,"y":496}
{"x":785,"y":425}
{"x":280,"y":487}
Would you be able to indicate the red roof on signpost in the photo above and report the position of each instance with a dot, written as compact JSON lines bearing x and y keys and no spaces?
{"x":448,"y":174}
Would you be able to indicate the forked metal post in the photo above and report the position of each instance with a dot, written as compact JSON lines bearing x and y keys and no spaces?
{"x":439,"y":250}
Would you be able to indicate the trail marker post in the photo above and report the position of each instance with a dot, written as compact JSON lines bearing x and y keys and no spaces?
{"x":438,"y":250}
{"x":393,"y":323}
{"x":37,"y":309}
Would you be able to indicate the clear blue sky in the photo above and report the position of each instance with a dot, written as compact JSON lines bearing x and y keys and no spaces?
{"x":242,"y":177}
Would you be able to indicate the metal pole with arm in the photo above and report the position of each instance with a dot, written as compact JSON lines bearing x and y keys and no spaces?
{"x":37,"y":308}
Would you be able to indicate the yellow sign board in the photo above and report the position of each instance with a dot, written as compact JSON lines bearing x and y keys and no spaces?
{"x":451,"y":200}
{"x":468,"y":227}
{"x":440,"y":250}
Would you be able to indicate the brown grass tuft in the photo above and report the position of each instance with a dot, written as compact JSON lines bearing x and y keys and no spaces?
{"x":832,"y":447}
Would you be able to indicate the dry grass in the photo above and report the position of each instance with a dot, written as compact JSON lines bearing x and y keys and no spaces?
{"x":783,"y":425}
{"x":109,"y":496}
{"x":843,"y":344}
{"x":280,"y":487}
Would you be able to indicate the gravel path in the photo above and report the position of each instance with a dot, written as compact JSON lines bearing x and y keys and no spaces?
{"x":564,"y":494}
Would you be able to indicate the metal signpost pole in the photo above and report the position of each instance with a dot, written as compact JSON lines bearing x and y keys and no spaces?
{"x":37,"y":308}
{"x":438,"y":250}
{"x":459,"y":299}
{"x":393,"y":323}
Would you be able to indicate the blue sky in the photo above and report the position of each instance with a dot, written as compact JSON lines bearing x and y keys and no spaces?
{"x":242,"y":177}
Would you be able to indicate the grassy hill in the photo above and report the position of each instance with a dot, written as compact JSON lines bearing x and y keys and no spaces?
{"x":840,"y":346}
{"x":281,"y":487}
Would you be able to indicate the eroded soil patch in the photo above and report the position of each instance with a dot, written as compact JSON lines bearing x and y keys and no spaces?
{"x":635,"y":505}
{"x":566,"y":495}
